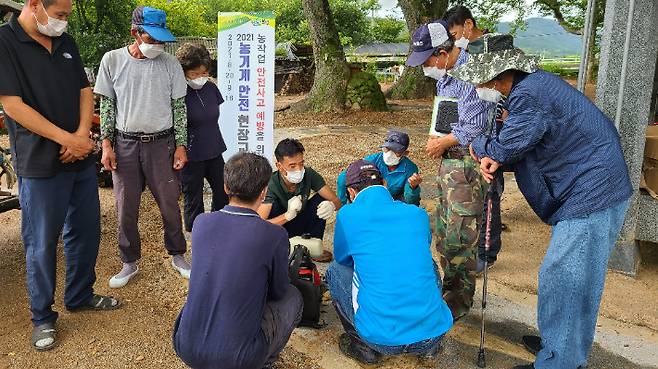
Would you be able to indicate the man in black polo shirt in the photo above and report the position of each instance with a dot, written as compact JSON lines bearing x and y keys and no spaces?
{"x":49,"y":106}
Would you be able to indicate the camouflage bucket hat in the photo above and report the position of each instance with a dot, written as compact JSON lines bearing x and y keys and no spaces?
{"x":491,"y":55}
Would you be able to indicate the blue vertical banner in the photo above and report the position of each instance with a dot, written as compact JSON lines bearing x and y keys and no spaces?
{"x":245,"y":74}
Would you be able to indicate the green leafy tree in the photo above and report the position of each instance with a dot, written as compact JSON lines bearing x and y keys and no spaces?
{"x":291,"y":25}
{"x":389,"y":29}
{"x":488,"y":13}
{"x":413,"y":84}
{"x":571,"y":15}
{"x":331,"y":70}
{"x":350,"y":17}
{"x":185,"y":17}
{"x":99,"y":26}
{"x":352,"y":22}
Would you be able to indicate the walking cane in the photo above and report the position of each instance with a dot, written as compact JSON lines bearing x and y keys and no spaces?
{"x":487,"y":244}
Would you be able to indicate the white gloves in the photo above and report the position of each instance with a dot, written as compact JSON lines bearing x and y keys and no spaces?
{"x":294,"y":207}
{"x":326,"y":210}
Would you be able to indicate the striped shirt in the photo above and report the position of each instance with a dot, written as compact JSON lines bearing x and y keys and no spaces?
{"x":497,"y":123}
{"x":474,"y":114}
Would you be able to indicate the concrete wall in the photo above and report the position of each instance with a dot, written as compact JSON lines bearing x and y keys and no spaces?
{"x":637,"y":101}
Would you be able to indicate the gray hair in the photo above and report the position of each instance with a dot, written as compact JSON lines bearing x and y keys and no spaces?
{"x":246,"y":175}
{"x":137,"y":28}
{"x":192,"y":56}
{"x":448,"y":45}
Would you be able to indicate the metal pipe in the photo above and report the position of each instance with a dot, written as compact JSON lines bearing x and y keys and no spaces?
{"x":587,"y":40}
{"x":624,"y":64}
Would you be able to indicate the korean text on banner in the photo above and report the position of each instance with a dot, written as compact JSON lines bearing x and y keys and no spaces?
{"x":245,"y":74}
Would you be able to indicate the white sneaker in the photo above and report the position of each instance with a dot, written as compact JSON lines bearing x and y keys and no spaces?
{"x":181,"y":265}
{"x":121,"y":279}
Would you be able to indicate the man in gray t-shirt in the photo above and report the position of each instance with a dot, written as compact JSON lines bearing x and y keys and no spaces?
{"x":144,"y":133}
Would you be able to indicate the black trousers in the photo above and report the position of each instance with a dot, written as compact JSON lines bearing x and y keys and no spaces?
{"x":496,"y":222}
{"x":306,"y":221}
{"x":192,"y":178}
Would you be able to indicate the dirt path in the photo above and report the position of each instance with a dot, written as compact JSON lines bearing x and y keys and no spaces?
{"x":138,"y":335}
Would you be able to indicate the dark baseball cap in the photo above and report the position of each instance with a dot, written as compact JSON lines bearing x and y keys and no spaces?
{"x":360,"y":171}
{"x":154,"y":22}
{"x":425,"y":40}
{"x":397,"y":141}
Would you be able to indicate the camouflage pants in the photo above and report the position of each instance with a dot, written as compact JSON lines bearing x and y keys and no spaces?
{"x":461,"y":191}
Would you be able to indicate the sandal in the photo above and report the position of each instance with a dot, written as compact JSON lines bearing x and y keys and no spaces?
{"x":325,"y":257}
{"x":44,"y":337}
{"x":99,"y":302}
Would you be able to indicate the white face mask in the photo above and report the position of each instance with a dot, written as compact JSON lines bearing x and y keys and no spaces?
{"x":462,"y":43}
{"x":489,"y":94}
{"x":391,"y":159}
{"x":435,"y":72}
{"x":54,"y":28}
{"x":295,"y":176}
{"x":197,"y":83}
{"x":151,"y":51}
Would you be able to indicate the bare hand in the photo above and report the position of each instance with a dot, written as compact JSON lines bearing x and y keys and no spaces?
{"x":475,"y":157}
{"x":415,"y":180}
{"x":78,"y":146}
{"x":435,"y":148}
{"x":180,"y":158}
{"x":65,"y":156}
{"x":488,"y":167}
{"x":504,"y":114}
{"x":109,"y":158}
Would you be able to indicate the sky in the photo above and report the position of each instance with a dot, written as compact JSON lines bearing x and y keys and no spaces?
{"x":389,"y":8}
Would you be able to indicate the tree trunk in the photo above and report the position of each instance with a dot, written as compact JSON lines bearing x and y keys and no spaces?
{"x":413,"y":84}
{"x":599,"y":16}
{"x":591,"y":62}
{"x":331,"y":70}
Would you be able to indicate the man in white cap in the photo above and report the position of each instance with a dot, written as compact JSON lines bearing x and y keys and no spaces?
{"x":461,"y":188}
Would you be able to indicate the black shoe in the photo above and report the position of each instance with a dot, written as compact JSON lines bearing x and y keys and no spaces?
{"x":532,"y":344}
{"x":528,"y":366}
{"x":432,"y":354}
{"x":480,"y":266}
{"x":357,"y":350}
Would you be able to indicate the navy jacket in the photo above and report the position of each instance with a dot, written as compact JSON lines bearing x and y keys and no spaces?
{"x":565,"y":152}
{"x":240,"y":262}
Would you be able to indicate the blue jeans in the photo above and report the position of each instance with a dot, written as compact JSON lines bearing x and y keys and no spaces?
{"x":339,"y":279}
{"x":65,"y":204}
{"x":571,"y":282}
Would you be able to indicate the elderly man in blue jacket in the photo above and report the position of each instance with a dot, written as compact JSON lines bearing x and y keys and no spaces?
{"x":568,"y":163}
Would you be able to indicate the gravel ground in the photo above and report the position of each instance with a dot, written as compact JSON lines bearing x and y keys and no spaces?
{"x":138,"y":335}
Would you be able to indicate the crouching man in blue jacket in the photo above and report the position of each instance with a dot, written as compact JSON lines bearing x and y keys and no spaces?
{"x":568,"y":163}
{"x":383,"y":282}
